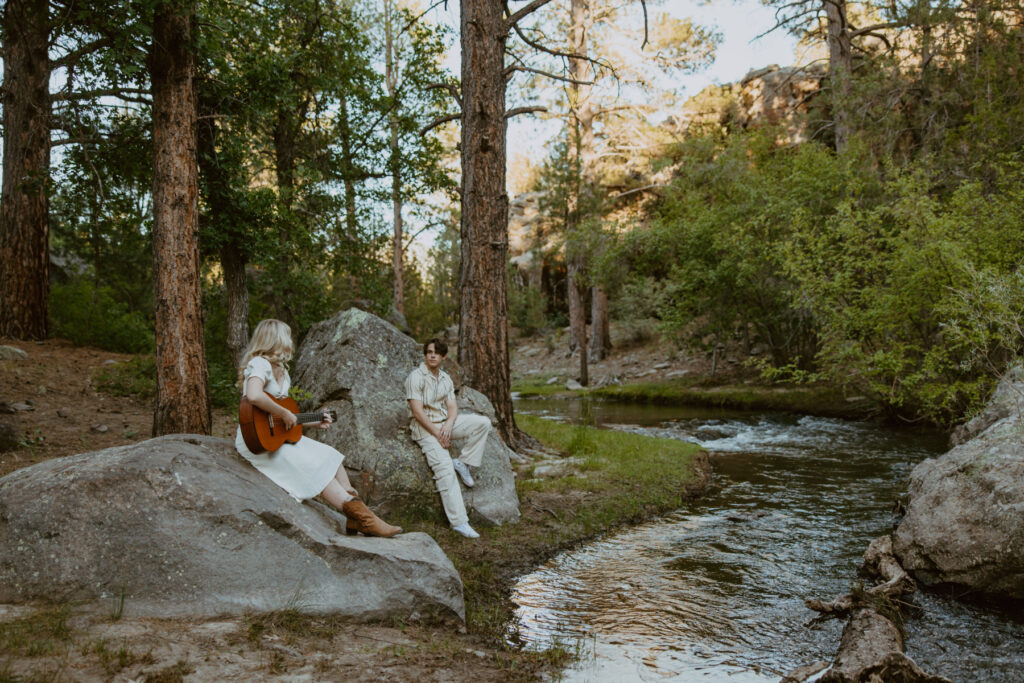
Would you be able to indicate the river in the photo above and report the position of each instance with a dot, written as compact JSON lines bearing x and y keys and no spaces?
{"x":715,"y":590}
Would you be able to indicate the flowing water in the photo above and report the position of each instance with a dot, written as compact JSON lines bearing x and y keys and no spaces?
{"x":715,"y":591}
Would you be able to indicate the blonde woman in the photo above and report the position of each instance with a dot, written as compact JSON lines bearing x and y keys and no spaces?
{"x":306,"y":468}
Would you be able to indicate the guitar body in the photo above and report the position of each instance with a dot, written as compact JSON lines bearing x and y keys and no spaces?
{"x":265,"y":432}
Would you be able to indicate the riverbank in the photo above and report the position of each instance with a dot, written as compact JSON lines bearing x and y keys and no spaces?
{"x":654,"y":371}
{"x":588,"y":482}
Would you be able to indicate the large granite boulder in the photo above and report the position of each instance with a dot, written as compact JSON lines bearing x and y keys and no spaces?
{"x":183,"y":526}
{"x":965,"y":519}
{"x":357,"y":363}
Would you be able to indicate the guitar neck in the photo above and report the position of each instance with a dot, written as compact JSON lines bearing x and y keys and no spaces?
{"x":303,"y":418}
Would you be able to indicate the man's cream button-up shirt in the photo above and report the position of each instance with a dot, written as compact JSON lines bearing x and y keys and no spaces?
{"x":433,"y":392}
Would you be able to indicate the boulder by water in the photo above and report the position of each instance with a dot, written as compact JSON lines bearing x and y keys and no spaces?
{"x":965,"y":520}
{"x":183,"y":526}
{"x":357,"y":363}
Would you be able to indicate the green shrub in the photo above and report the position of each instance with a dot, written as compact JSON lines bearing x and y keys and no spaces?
{"x":135,"y":377}
{"x":90,"y":316}
{"x":526,"y":308}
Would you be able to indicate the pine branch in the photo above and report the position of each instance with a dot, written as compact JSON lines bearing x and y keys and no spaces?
{"x":73,"y":56}
{"x":523,"y":110}
{"x":517,"y":67}
{"x":525,"y":11}
{"x":121,"y":93}
{"x":440,"y":120}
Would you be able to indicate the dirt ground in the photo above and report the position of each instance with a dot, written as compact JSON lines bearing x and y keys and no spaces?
{"x":66,"y":413}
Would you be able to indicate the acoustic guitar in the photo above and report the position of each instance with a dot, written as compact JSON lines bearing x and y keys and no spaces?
{"x":265,"y":432}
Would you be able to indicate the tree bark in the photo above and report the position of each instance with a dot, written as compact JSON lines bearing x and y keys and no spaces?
{"x":483,"y":329}
{"x":24,"y":207}
{"x":236,"y":292}
{"x":840,"y":62}
{"x":182,"y":394}
{"x":600,"y":338}
{"x":581,"y":197}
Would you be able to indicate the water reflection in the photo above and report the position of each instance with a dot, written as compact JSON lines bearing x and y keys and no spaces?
{"x":716,"y":590}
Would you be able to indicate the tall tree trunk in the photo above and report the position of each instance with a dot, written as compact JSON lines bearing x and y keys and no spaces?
{"x":582,"y":143}
{"x":391,"y":81}
{"x":840,"y":62}
{"x":236,"y":292}
{"x":182,"y":395}
{"x":233,"y":256}
{"x":24,"y":208}
{"x":483,"y":329}
{"x":600,"y":339}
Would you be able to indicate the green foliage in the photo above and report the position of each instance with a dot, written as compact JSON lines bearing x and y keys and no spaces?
{"x":134,"y":377}
{"x":526,"y":307}
{"x":89,"y":315}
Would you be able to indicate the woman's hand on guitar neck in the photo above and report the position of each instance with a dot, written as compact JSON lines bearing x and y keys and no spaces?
{"x":326,"y":422}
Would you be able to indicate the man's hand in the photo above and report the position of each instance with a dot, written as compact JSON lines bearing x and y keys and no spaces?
{"x":445,"y":437}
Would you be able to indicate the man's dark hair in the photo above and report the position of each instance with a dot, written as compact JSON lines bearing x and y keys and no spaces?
{"x":439,"y":346}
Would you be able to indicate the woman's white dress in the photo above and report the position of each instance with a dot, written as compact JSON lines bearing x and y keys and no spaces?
{"x":304,"y":468}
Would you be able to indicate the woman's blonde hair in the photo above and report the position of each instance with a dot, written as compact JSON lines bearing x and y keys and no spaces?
{"x":272,"y":339}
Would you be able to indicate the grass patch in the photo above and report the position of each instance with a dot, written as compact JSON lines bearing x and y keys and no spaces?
{"x":113,"y":660}
{"x":290,"y":625}
{"x":40,"y":634}
{"x":537,"y":385}
{"x":625,"y":479}
{"x":134,"y":377}
{"x":822,"y":400}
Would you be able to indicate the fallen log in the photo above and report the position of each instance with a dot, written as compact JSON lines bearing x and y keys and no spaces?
{"x":871,"y":647}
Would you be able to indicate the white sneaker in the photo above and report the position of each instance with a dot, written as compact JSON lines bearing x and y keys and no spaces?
{"x":466,"y":530}
{"x":463,"y":471}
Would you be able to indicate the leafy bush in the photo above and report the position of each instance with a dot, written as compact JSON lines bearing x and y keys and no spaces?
{"x":90,"y":316}
{"x":526,"y":307}
{"x":135,"y":377}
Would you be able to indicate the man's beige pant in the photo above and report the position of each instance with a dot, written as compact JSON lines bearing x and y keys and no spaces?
{"x":474,"y":429}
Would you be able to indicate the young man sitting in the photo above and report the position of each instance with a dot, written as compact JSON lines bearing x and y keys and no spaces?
{"x":435,"y":422}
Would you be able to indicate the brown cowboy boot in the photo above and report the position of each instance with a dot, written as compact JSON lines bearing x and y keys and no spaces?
{"x":361,"y":518}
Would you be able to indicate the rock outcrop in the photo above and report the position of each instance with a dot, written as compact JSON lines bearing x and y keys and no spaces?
{"x":183,"y":526}
{"x":965,"y":518}
{"x":357,"y":363}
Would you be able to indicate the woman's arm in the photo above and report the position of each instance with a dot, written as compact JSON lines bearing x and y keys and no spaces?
{"x":254,"y":392}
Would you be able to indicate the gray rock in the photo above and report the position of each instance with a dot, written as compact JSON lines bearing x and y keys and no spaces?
{"x":552,"y":380}
{"x":357,"y":363}
{"x":185,"y":527}
{"x":12,"y":353}
{"x":8,"y":437}
{"x":573,"y":385}
{"x":22,"y":407}
{"x":965,"y":519}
